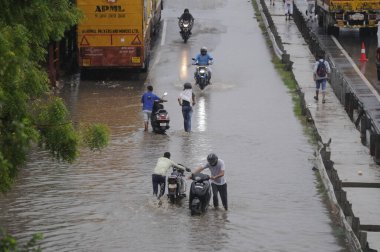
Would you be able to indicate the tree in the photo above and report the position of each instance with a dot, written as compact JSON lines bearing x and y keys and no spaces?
{"x":29,"y":112}
{"x":8,"y":243}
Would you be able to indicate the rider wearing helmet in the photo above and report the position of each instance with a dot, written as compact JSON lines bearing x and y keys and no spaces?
{"x":204,"y":59}
{"x":186,"y":16}
{"x":218,"y":181}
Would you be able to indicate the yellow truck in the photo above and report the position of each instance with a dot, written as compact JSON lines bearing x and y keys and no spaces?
{"x":117,"y":33}
{"x":336,"y":14}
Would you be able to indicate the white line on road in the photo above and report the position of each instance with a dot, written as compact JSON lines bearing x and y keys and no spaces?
{"x":164,"y":33}
{"x":356,"y":68}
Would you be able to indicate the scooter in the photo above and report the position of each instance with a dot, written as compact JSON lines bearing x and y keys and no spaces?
{"x":185,"y":27}
{"x":160,"y":117}
{"x":200,"y":193}
{"x":177,"y":185}
{"x":202,"y":78}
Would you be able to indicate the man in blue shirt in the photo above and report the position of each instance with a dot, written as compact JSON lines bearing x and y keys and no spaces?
{"x":147,"y":100}
{"x":204,"y":59}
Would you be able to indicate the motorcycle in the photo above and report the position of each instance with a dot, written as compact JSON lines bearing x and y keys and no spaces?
{"x":202,"y":78}
{"x":177,"y":185}
{"x":160,"y":117}
{"x":185,"y":27}
{"x":200,"y":193}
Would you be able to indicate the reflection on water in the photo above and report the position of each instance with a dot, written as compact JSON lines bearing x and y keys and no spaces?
{"x":184,"y":64}
{"x":201,"y":114}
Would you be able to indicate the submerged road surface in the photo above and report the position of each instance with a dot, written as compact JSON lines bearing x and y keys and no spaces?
{"x":103,"y":202}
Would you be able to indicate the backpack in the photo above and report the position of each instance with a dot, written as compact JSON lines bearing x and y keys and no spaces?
{"x":321,"y":69}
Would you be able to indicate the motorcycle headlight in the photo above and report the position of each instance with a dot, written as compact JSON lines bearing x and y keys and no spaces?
{"x":202,"y":71}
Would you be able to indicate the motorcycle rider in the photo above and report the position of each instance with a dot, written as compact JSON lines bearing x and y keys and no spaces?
{"x":159,"y":174}
{"x":204,"y":59}
{"x":218,"y":181}
{"x":186,"y":16}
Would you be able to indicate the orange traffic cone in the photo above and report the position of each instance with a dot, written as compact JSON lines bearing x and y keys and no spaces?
{"x":363,"y":57}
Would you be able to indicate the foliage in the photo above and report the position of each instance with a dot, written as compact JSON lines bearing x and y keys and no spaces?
{"x":9,"y":244}
{"x":95,"y":136}
{"x":28,"y":112}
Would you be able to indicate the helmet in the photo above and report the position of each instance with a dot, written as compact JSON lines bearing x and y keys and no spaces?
{"x":204,"y":50}
{"x":187,"y":85}
{"x":212,"y":159}
{"x":186,"y":11}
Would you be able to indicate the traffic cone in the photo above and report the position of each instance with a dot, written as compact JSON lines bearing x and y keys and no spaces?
{"x":363,"y":57}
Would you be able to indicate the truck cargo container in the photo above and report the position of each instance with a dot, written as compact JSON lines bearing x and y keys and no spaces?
{"x":117,"y":33}
{"x":336,"y":14}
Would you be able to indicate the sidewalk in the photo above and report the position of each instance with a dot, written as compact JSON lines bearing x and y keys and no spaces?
{"x":332,"y":121}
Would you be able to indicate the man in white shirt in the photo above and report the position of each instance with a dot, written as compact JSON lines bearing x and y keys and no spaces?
{"x":159,"y":174}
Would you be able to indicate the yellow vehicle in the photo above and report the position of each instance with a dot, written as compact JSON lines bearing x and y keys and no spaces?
{"x":117,"y":33}
{"x":335,"y":14}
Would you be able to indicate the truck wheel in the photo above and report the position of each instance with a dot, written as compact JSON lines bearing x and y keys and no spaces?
{"x":336,"y":31}
{"x":172,"y":199}
{"x":320,"y":18}
{"x":330,"y":30}
{"x":146,"y":64}
{"x":320,"y":21}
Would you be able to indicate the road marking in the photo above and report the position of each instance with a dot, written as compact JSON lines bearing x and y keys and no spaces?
{"x":164,"y":33}
{"x":356,"y":68}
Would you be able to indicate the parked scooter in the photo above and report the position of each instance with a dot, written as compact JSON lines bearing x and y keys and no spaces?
{"x":185,"y":27}
{"x":177,"y":185}
{"x":200,"y":193}
{"x":160,"y":117}
{"x":202,"y":78}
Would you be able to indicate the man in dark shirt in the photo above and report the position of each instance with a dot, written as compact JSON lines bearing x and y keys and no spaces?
{"x":186,"y":16}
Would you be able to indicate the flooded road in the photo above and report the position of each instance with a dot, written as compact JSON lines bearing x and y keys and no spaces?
{"x":103,"y":201}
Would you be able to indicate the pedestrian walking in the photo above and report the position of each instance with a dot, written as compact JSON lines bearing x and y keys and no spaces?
{"x":218,"y":181}
{"x":320,"y":71}
{"x":310,"y":9}
{"x":186,"y":99}
{"x":147,"y":100}
{"x":288,"y":5}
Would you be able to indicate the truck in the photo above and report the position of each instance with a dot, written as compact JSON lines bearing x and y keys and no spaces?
{"x":117,"y":34}
{"x":336,"y":14}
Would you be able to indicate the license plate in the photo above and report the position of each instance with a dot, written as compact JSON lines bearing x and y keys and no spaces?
{"x":86,"y":62}
{"x":357,"y":16}
{"x":172,"y":186}
{"x":136,"y":60}
{"x":162,"y":124}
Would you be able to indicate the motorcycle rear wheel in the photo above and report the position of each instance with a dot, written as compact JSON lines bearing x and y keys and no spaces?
{"x":172,"y":199}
